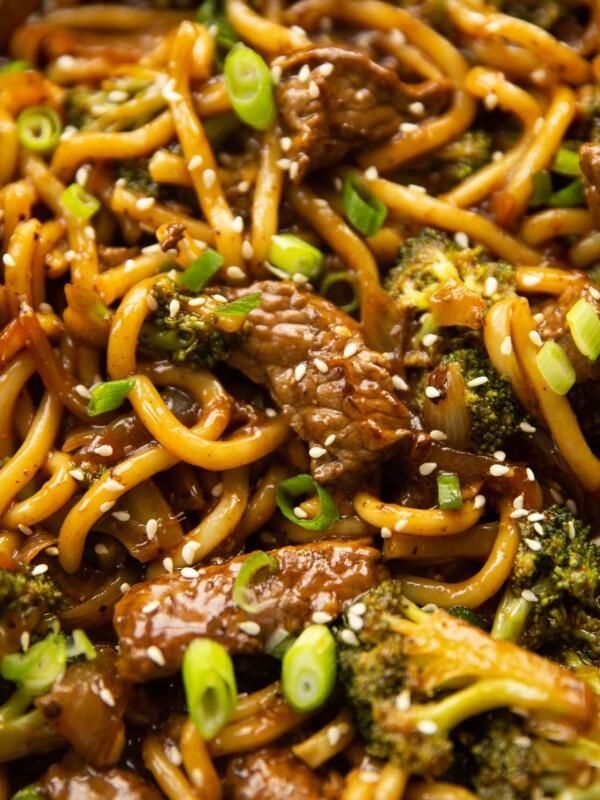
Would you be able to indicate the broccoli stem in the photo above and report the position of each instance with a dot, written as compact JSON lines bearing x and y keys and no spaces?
{"x":511,"y":617}
{"x":26,"y":735}
{"x":15,"y":706}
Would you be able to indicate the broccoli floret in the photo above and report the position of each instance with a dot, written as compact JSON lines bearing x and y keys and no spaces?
{"x":22,"y":592}
{"x":543,"y":13}
{"x":558,"y":564}
{"x":136,"y":175}
{"x":193,"y":335}
{"x":462,"y":157}
{"x":412,"y":678}
{"x":494,"y":413}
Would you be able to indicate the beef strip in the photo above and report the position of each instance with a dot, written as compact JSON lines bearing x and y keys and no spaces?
{"x":346,"y":101}
{"x":318,"y":577}
{"x":276,"y":774}
{"x":353,"y":400}
{"x":589,"y":159}
{"x":73,"y":779}
{"x":86,"y":706}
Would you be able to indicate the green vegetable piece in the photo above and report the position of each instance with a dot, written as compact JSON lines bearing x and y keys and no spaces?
{"x":210,"y":686}
{"x":39,"y":128}
{"x":309,"y":669}
{"x":566,"y":162}
{"x":542,"y":188}
{"x":79,"y":203}
{"x":556,"y":368}
{"x":18,"y":65}
{"x":293,"y":256}
{"x":241,"y":306}
{"x":288,"y":490}
{"x":256,"y":564}
{"x":35,"y":671}
{"x":250,"y":87}
{"x":584,"y":325}
{"x":200,"y":271}
{"x":109,"y":396}
{"x":364,"y":211}
{"x":569,"y":197}
{"x":449,"y":496}
{"x":338,"y":283}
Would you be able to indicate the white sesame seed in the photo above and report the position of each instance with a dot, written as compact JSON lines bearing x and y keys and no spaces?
{"x":124,"y":587}
{"x":106,"y":506}
{"x":400,"y":525}
{"x":519,"y":513}
{"x":417,"y":188}
{"x":284,"y":163}
{"x":535,"y":517}
{"x":235,"y":273}
{"x":349,"y":637}
{"x":188,"y":552}
{"x":25,"y":638}
{"x":156,"y":654}
{"x":52,"y":551}
{"x":490,"y":286}
{"x":350,"y":350}
{"x":326,"y":69}
{"x":519,"y":501}
{"x":572,"y":506}
{"x":189,"y":572}
{"x":399,"y":384}
{"x":196,"y":162}
{"x":497,"y":155}
{"x":386,"y":533}
{"x":174,"y":307}
{"x":498,"y":470}
{"x":371,"y":173}
{"x":479,"y":501}
{"x":533,"y":544}
{"x":270,"y":412}
{"x":571,"y":529}
{"x":174,"y":755}
{"x":151,"y":528}
{"x":121,"y":516}
{"x":500,"y":455}
{"x":39,"y":569}
{"x":506,"y":346}
{"x":285,"y":143}
{"x":276,"y":73}
{"x":300,"y":513}
{"x":490,"y":101}
{"x":304,"y":73}
{"x":45,"y":308}
{"x":151,"y":607}
{"x":535,"y":338}
{"x":89,"y":232}
{"x":427,"y":727}
{"x":530,"y":474}
{"x":196,"y":302}
{"x":238,"y":224}
{"x":299,"y":372}
{"x":461,"y":239}
{"x":408,"y":127}
{"x":83,"y":391}
{"x":321,"y":618}
{"x":8,"y":260}
{"x":313,"y":90}
{"x":333,"y":735}
{"x":538,"y":75}
{"x":77,"y":474}
{"x":168,"y":564}
{"x":403,"y":700}
{"x":217,"y":489}
{"x":321,"y":365}
{"x":594,"y":292}
{"x":530,"y":596}
{"x":145,"y":203}
{"x":430,"y":339}
{"x":438,"y":436}
{"x":329,"y":440}
{"x":294,"y":169}
{"x":151,"y":302}
{"x":369,"y":776}
{"x":151,"y":248}
{"x":317,"y":452}
{"x":112,"y":485}
{"x":538,"y":528}
{"x":480,"y":381}
{"x":250,"y":627}
{"x":101,"y":549}
{"x":355,"y":622}
{"x":526,"y":427}
{"x":107,"y":696}
{"x":417,"y":109}
{"x":427,"y":468}
{"x":209,"y":177}
{"x":432,"y":393}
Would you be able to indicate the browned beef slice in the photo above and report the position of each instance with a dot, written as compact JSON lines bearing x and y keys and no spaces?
{"x":73,"y":779}
{"x":86,"y":706}
{"x":318,"y":577}
{"x":358,"y":103}
{"x":353,"y":401}
{"x":589,"y":159}
{"x":275,"y":774}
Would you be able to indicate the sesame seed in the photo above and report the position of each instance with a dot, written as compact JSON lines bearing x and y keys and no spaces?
{"x":526,"y":427}
{"x":238,"y":224}
{"x":321,"y":365}
{"x":313,"y":90}
{"x":250,"y":627}
{"x":350,"y":350}
{"x":285,"y":143}
{"x":112,"y":485}
{"x":39,"y":569}
{"x":506,"y":346}
{"x":399,"y":384}
{"x":369,"y":776}
{"x":519,"y":501}
{"x":519,"y":513}
{"x":400,"y":525}
{"x":284,"y":163}
{"x":101,"y":549}
{"x":594,"y":292}
{"x":145,"y":203}
{"x":530,"y":474}
{"x":403,"y":700}
{"x":498,"y":470}
{"x":45,"y":308}
{"x":89,"y":232}
{"x":196,"y":302}
{"x":535,"y":338}
{"x":490,"y":101}
{"x":106,"y":506}
{"x":77,"y":474}
{"x":349,"y":637}
{"x":150,"y":607}
{"x":151,"y":528}
{"x":438,"y":436}
{"x":333,"y":735}
{"x":326,"y":69}
{"x":151,"y":302}
{"x":571,"y":529}
{"x":174,"y":755}
{"x":168,"y":564}
{"x":294,"y":169}
{"x":371,"y":173}
{"x":479,"y":501}
{"x":52,"y":551}
{"x":219,"y":298}
{"x":572,"y":506}
{"x":531,"y":280}
{"x":209,"y":177}
{"x":461,"y":239}
{"x":417,"y":188}
{"x":533,"y":544}
{"x":304,"y":73}
{"x":430,"y":339}
{"x":189,"y":572}
{"x":217,"y":489}
{"x":408,"y":127}
{"x":196,"y":162}
{"x":529,"y":596}
{"x":276,"y":73}
{"x":355,"y":622}
{"x":317,"y":452}
{"x":500,"y":455}
{"x":151,"y":248}
{"x":329,"y":440}
{"x":417,"y":109}
{"x":25,"y":529}
{"x":8,"y":260}
{"x":299,"y":372}
{"x":124,"y":587}
{"x":83,"y":391}
{"x":188,"y":552}
{"x":480,"y":381}
{"x":156,"y":654}
{"x":300,"y":513}
{"x":427,"y":468}
{"x":321,"y":618}
{"x":107,"y":696}
{"x":490,"y":286}
{"x":359,"y":608}
{"x":535,"y":517}
{"x":25,"y":639}
{"x":432,"y":393}
{"x":538,"y":75}
{"x":427,"y":727}
{"x":121,"y":516}
{"x":235,"y":273}
{"x":497,"y":155}
{"x":538,"y":528}
{"x":386,"y":533}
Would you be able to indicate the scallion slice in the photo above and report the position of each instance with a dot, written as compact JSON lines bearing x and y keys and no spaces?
{"x":449,"y":496}
{"x":566,"y":162}
{"x":257,"y":563}
{"x":210,"y":686}
{"x":35,"y":671}
{"x":336,"y":285}
{"x":288,"y":490}
{"x":200,"y":271}
{"x":555,"y":367}
{"x":18,"y":65}
{"x":584,"y":325}
{"x":542,"y":188}
{"x":211,"y":12}
{"x":293,"y":256}
{"x":109,"y":396}
{"x":364,"y":211}
{"x":78,"y":202}
{"x":80,"y":645}
{"x":39,"y":128}
{"x":250,"y":87}
{"x":572,"y":195}
{"x":309,"y":669}
{"x":241,"y":306}
{"x":32,"y":792}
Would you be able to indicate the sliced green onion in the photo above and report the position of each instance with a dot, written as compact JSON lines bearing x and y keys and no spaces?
{"x":467,"y":615}
{"x":35,"y":671}
{"x":542,"y":188}
{"x":571,"y":195}
{"x":288,"y":490}
{"x":555,"y":367}
{"x":32,"y":792}
{"x":39,"y":128}
{"x":251,"y":569}
{"x":211,"y":12}
{"x":250,"y":87}
{"x":309,"y":668}
{"x":78,"y":202}
{"x":364,"y":211}
{"x":80,"y":645}
{"x":566,"y":162}
{"x":210,"y":687}
{"x":109,"y":396}
{"x":241,"y":306}
{"x":19,"y":65}
{"x":584,"y":325}
{"x":200,"y":271}
{"x":449,"y":496}
{"x":338,"y":283}
{"x":294,"y":256}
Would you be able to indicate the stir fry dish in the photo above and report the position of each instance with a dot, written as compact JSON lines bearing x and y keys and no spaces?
{"x":300,"y":400}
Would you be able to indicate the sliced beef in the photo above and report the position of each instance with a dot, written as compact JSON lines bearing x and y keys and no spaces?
{"x":589,"y":159}
{"x":276,"y":774}
{"x":86,"y":706}
{"x":73,"y":779}
{"x":333,"y":100}
{"x":294,"y":337}
{"x":169,"y":612}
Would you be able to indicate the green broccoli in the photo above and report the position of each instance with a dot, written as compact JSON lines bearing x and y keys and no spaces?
{"x":192,"y":334}
{"x":551,"y":600}
{"x":137,"y":178}
{"x":109,"y":108}
{"x":543,"y":13}
{"x":412,"y":678}
{"x":459,"y":159}
{"x":493,"y":411}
